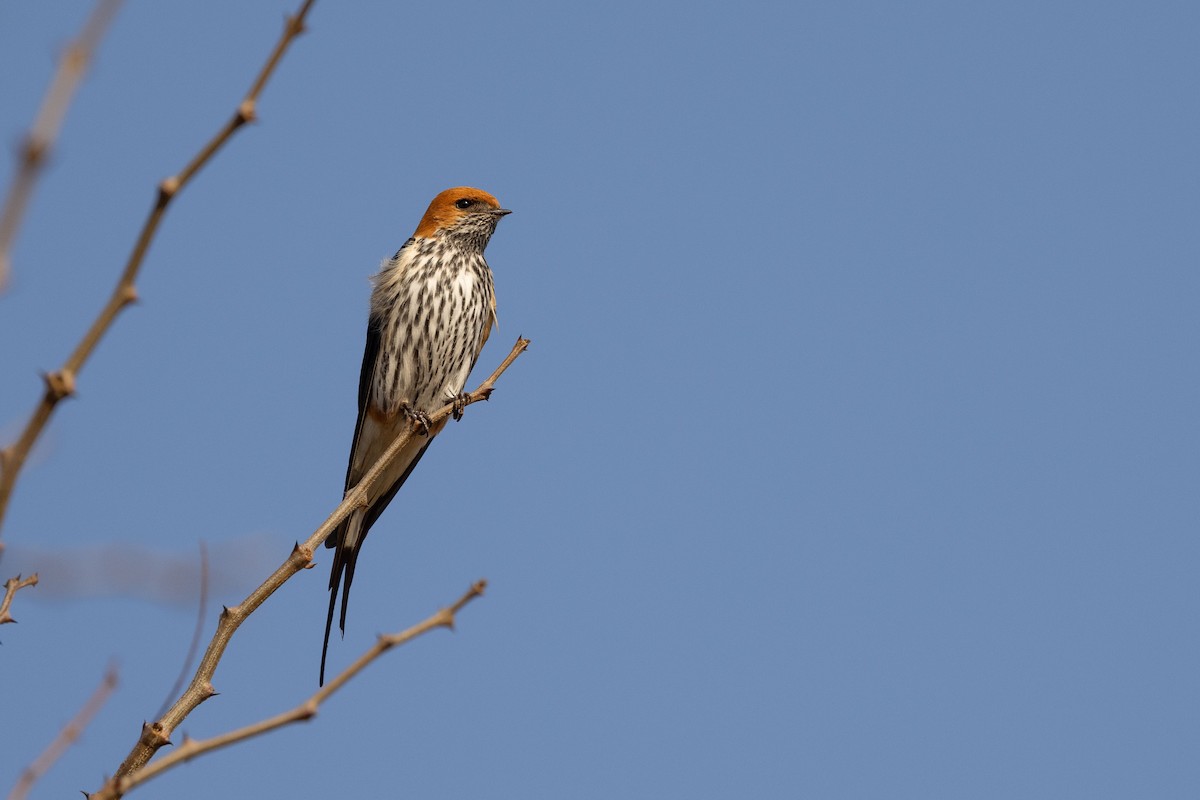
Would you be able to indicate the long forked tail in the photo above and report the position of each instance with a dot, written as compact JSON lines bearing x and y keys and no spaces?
{"x":349,"y":537}
{"x":344,"y":557}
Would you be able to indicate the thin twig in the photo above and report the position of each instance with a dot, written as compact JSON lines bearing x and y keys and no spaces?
{"x":197,"y":631}
{"x":191,"y":748}
{"x":61,"y":384}
{"x":35,"y":149}
{"x":157,"y":734}
{"x":66,"y":737}
{"x":11,"y":587}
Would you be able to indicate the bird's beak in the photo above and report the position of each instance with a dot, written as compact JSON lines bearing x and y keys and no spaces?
{"x":500,"y":212}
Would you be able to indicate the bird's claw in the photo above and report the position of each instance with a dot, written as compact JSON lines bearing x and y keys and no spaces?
{"x":419,"y":417}
{"x":461,"y":401}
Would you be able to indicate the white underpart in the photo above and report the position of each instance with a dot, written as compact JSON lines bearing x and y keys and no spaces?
{"x":430,"y":342}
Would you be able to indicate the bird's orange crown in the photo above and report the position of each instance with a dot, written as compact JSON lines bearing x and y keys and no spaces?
{"x":445,"y":211}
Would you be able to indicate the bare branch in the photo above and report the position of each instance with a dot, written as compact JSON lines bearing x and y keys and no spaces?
{"x":35,"y":150}
{"x":11,"y":587}
{"x":191,"y":748}
{"x":157,"y":734}
{"x":66,"y":737}
{"x":61,"y":384}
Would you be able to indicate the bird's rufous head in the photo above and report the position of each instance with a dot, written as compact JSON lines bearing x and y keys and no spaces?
{"x":460,"y":206}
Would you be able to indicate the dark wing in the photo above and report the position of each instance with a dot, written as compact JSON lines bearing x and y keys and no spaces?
{"x":366,"y":378}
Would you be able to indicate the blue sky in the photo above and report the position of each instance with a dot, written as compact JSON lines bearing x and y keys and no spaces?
{"x":855,"y":454}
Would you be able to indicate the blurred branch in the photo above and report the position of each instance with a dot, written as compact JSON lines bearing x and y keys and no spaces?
{"x":66,"y":737}
{"x":157,"y":734}
{"x":201,"y":613}
{"x":35,"y":149}
{"x":127,"y":570}
{"x":11,"y":587}
{"x":61,"y":384}
{"x":191,"y":748}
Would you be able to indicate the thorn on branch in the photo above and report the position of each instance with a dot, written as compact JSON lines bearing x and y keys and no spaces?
{"x":303,"y":553}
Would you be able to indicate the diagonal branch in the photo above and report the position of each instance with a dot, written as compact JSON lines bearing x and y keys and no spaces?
{"x":11,"y":587}
{"x":66,"y":737}
{"x":157,"y":734}
{"x":35,"y":149}
{"x":191,"y":748}
{"x":61,"y":384}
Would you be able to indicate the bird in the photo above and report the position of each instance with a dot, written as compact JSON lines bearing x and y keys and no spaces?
{"x":432,"y":308}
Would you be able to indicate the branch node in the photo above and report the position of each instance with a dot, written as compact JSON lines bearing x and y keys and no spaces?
{"x":167,"y":189}
{"x":246,"y":112}
{"x":129,"y":294}
{"x":60,"y":384}
{"x":33,"y":151}
{"x":294,"y":25}
{"x":76,"y":57}
{"x":303,"y":553}
{"x":153,"y":736}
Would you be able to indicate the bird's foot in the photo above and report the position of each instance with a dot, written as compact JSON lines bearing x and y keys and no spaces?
{"x":419,"y":417}
{"x":461,"y":401}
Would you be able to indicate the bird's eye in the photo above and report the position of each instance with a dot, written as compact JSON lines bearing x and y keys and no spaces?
{"x":464,"y":203}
